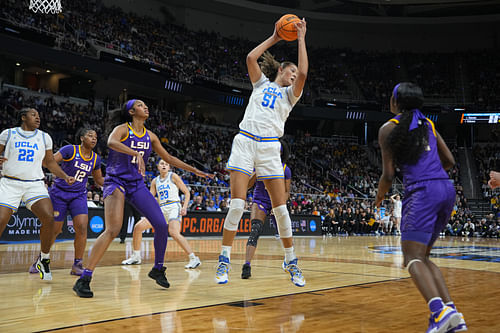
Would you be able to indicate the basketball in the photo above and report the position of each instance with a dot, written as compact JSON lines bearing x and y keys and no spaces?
{"x":286,"y":27}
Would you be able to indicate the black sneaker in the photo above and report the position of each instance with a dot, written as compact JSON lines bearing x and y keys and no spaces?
{"x":246,"y":271}
{"x":159,"y":276}
{"x":82,"y":287}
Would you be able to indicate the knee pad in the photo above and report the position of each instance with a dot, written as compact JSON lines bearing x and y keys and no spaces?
{"x":283,"y":221}
{"x":257,"y":228}
{"x":234,"y":214}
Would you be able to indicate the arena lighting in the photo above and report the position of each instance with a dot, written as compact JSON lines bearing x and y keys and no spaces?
{"x":331,"y":104}
{"x":120,"y":60}
{"x":48,"y":71}
{"x":12,"y":30}
{"x":154,"y":70}
{"x":459,"y":109}
{"x":18,"y":64}
{"x":236,"y":91}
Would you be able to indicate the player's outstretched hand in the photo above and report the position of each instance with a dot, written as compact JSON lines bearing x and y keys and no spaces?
{"x":70,"y":180}
{"x":494,"y":181}
{"x":301,"y":28}
{"x":2,"y":159}
{"x":204,"y":174}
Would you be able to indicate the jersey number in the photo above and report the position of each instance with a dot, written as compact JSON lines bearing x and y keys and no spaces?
{"x":80,"y":175}
{"x":163,"y":195}
{"x":26,"y":155}
{"x":269,"y":100}
{"x":134,"y":159}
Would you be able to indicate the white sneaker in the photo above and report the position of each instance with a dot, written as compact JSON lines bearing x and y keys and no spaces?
{"x":133,"y":260}
{"x":222,"y":270}
{"x":295,"y":273}
{"x":43,"y":267}
{"x":193,"y":263}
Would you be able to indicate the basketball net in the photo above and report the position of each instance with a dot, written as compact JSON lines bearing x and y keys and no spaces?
{"x":46,"y":6}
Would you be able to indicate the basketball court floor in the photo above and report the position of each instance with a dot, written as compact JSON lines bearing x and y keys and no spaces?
{"x":354,"y":284}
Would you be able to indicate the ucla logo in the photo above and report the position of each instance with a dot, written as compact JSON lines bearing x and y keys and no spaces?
{"x":26,"y":144}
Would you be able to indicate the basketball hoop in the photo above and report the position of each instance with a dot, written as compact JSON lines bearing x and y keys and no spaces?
{"x":46,"y":6}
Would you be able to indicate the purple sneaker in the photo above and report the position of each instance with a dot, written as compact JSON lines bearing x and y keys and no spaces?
{"x":77,"y":269}
{"x":33,"y":269}
{"x":445,"y":320}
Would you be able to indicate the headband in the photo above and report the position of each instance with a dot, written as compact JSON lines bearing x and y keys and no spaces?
{"x":130,"y":104}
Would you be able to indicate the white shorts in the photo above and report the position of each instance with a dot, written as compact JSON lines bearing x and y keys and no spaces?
{"x":12,"y":192}
{"x":171,"y":211}
{"x":249,"y":154}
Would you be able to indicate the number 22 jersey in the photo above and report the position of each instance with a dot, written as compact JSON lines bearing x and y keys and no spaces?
{"x":25,"y":151}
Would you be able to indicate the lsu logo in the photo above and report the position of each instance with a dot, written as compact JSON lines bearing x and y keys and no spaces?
{"x":139,"y":145}
{"x":56,"y":213}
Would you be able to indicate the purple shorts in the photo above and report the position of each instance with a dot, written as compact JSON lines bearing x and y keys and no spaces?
{"x":264,"y":206}
{"x":75,"y":202}
{"x":127,"y":187}
{"x":427,"y":207}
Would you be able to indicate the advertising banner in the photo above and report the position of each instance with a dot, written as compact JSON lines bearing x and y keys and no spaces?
{"x":23,"y":225}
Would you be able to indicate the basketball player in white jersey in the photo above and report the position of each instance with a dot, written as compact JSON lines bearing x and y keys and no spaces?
{"x":166,"y":187}
{"x":24,"y":150}
{"x":276,"y":89}
{"x":398,"y":205}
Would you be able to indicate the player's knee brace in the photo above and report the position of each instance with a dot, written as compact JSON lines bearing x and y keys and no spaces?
{"x":234,"y":214}
{"x":283,"y":221}
{"x":411,"y":262}
{"x":257,"y":228}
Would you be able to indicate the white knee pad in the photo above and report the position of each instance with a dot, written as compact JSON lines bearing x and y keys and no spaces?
{"x":411,"y":263}
{"x":234,"y":214}
{"x":283,"y":221}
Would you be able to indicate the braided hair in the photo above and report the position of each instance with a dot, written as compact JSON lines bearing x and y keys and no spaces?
{"x":407,"y":146}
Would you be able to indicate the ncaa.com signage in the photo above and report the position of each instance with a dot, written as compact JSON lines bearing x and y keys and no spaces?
{"x":25,"y":226}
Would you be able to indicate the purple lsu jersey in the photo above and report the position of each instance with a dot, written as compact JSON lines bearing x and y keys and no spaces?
{"x":125,"y":166}
{"x":76,"y":165}
{"x":260,"y":194}
{"x":429,"y":165}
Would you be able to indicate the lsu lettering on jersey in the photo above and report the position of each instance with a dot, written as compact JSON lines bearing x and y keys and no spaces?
{"x":25,"y":151}
{"x":167,"y":191}
{"x":268,"y":108}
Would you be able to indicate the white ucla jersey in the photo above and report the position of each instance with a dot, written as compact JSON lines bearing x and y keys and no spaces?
{"x":268,"y":108}
{"x":25,"y":151}
{"x":166,"y":190}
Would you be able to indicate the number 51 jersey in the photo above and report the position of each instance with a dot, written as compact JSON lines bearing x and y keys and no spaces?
{"x":25,"y":151}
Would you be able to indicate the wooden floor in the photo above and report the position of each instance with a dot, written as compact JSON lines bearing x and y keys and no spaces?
{"x":354,"y":284}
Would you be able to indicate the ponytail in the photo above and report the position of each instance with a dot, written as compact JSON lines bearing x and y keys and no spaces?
{"x":410,"y":137}
{"x":270,"y":66}
{"x":119,"y":116}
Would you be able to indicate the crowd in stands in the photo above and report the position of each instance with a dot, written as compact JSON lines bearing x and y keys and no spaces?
{"x":327,"y":174}
{"x":186,"y":54}
{"x":487,"y":158}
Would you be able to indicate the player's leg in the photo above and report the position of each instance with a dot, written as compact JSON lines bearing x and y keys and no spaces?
{"x":5,"y":214}
{"x":113,"y":214}
{"x":42,"y":208}
{"x":257,"y":218}
{"x":139,"y":228}
{"x":144,"y":202}
{"x":239,"y":186}
{"x":276,"y":190}
{"x":80,"y":223}
{"x":174,"y":230}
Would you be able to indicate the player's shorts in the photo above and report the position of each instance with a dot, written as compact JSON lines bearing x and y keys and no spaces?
{"x":263,"y":205}
{"x":75,"y":202}
{"x":13,"y":191}
{"x":251,"y":152}
{"x":427,"y":208}
{"x":171,"y":211}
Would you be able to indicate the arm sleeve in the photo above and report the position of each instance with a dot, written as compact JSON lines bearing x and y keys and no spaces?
{"x":4,"y":136}
{"x":260,"y":82}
